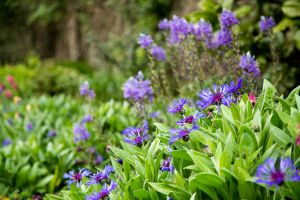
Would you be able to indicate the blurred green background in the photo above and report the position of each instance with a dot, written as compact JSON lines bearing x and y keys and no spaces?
{"x":50,"y":47}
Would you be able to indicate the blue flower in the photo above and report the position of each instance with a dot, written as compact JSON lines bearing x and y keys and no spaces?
{"x":268,"y":174}
{"x":29,"y":127}
{"x":158,"y":53}
{"x":164,"y":24}
{"x":191,"y":119}
{"x":137,"y":89}
{"x":181,"y":133}
{"x":101,"y":177}
{"x":266,"y":23}
{"x":76,"y":177}
{"x":228,"y":19}
{"x":144,"y":40}
{"x":80,"y":132}
{"x":86,"y":119}
{"x":86,"y":91}
{"x":99,"y":159}
{"x":103,"y":193}
{"x":167,"y":165}
{"x":224,"y":37}
{"x":136,"y":135}
{"x":177,"y":106}
{"x":249,"y":65}
{"x":6,"y":142}
{"x":51,"y":133}
{"x":219,"y":95}
{"x":203,"y":30}
{"x":234,"y":89}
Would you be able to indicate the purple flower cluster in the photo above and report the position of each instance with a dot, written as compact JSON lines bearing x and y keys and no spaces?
{"x":29,"y":126}
{"x":179,"y":29}
{"x":136,"y":89}
{"x":80,"y":129}
{"x":270,"y":175}
{"x":224,"y":94}
{"x":51,"y":133}
{"x":249,"y":65}
{"x":266,"y":24}
{"x":177,"y":106}
{"x":167,"y":165}
{"x":103,"y":193}
{"x":158,"y":53}
{"x":145,"y":40}
{"x":101,"y":177}
{"x":86,"y":91}
{"x":76,"y":177}
{"x":136,"y":135}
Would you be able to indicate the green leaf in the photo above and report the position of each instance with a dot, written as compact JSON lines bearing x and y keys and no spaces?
{"x":141,"y":194}
{"x":291,"y":98}
{"x":291,"y":8}
{"x":208,"y":179}
{"x":181,"y":154}
{"x":201,"y":161}
{"x":161,"y":127}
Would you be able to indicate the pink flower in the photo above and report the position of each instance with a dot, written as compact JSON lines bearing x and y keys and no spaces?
{"x":252,"y":98}
{"x":8,"y":94}
{"x":11,"y":81}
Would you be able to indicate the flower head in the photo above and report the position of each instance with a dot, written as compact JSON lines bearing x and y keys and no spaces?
{"x":219,"y":95}
{"x":144,"y":40}
{"x":29,"y":127}
{"x":158,"y":53}
{"x":191,"y":119}
{"x":266,"y":24}
{"x":6,"y":142}
{"x":103,"y":193}
{"x":164,"y":24}
{"x":87,"y":118}
{"x":298,"y":140}
{"x":98,"y":160}
{"x":224,"y":37}
{"x":76,"y":177}
{"x":228,"y":19}
{"x":86,"y":91}
{"x":101,"y":177}
{"x":177,"y":106}
{"x":249,"y":65}
{"x":252,"y":98}
{"x":8,"y":94}
{"x":181,"y":133}
{"x":269,"y":174}
{"x":80,"y":132}
{"x":234,"y":89}
{"x":136,"y":135}
{"x":137,"y":89}
{"x":51,"y":133}
{"x":167,"y":165}
{"x":203,"y":30}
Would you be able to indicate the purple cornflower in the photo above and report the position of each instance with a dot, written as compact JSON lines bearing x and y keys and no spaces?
{"x":51,"y":133}
{"x":154,"y":115}
{"x":249,"y":65}
{"x":164,"y":24}
{"x":191,"y":119}
{"x":228,"y":19}
{"x":158,"y":53}
{"x":29,"y":127}
{"x":234,"y":89}
{"x":76,"y":177}
{"x":80,"y":132}
{"x":103,"y":193}
{"x":266,"y":23}
{"x":137,"y":89}
{"x":144,"y":40}
{"x":167,"y":165}
{"x":203,"y":30}
{"x":182,"y":132}
{"x":219,"y":95}
{"x":87,"y":118}
{"x":269,"y":174}
{"x":224,"y":37}
{"x":86,"y":91}
{"x":101,"y":177}
{"x":6,"y":142}
{"x":136,"y":135}
{"x":177,"y":106}
{"x":179,"y":28}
